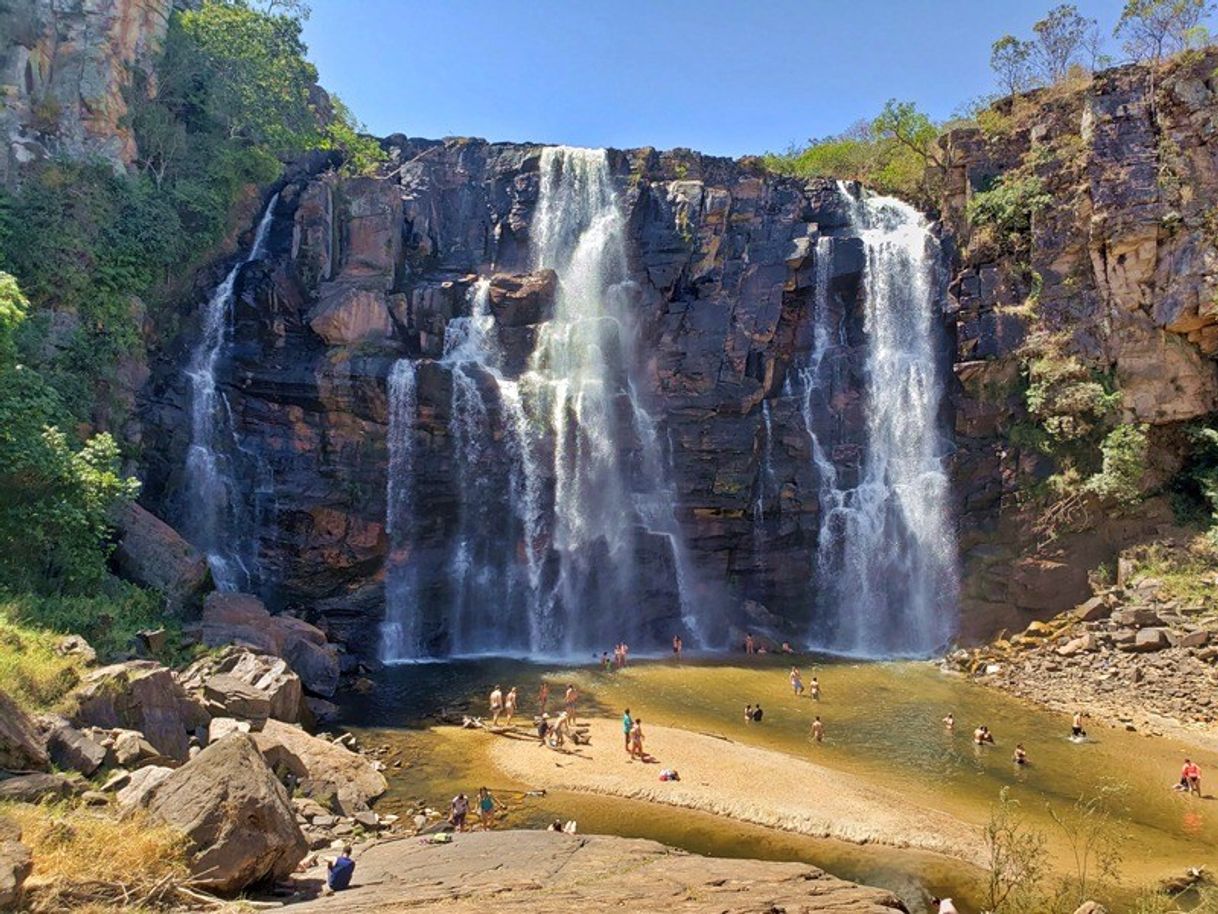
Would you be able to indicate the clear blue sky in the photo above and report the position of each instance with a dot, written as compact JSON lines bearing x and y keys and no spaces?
{"x":727,"y":78}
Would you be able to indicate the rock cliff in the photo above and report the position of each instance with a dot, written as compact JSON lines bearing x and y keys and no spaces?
{"x":1115,"y":284}
{"x":64,"y":72}
{"x":361,"y":272}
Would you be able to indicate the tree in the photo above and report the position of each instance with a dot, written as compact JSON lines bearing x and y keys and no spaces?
{"x":1153,"y":29}
{"x":1061,"y":40}
{"x":1011,"y":61}
{"x":1016,"y":859}
{"x":905,"y":124}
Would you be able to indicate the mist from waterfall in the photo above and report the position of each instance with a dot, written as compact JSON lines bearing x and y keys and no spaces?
{"x":886,"y":555}
{"x":215,"y":515}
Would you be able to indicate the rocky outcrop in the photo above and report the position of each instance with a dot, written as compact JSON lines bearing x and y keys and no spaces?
{"x":320,"y":769}
{"x":241,"y":619}
{"x":21,"y":748}
{"x":16,"y":864}
{"x":1115,"y":272}
{"x":72,"y":750}
{"x":154,"y":555}
{"x":34,"y":788}
{"x":144,"y":696}
{"x":237,"y":817}
{"x":64,"y":72}
{"x":269,"y":676}
{"x":552,"y":873}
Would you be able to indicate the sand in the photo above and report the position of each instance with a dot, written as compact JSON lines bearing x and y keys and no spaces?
{"x":742,"y":782}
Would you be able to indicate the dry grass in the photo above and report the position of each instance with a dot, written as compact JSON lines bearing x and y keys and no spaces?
{"x":90,"y":861}
{"x":31,"y":671}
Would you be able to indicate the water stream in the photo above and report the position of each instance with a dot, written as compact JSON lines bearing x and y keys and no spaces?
{"x":214,"y":518}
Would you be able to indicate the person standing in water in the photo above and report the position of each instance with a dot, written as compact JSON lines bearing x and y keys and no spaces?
{"x":1076,"y":726}
{"x":814,"y":689}
{"x":797,"y":683}
{"x":748,"y":714}
{"x":818,"y":730}
{"x":496,"y":705}
{"x":1021,"y":756}
{"x":509,"y":704}
{"x":486,"y":807}
{"x":982,"y":735}
{"x":569,"y":701}
{"x":950,"y":721}
{"x":750,"y":646}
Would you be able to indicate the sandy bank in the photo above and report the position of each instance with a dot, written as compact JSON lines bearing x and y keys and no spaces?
{"x":741,"y":782}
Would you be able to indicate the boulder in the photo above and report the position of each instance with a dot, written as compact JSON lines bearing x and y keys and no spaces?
{"x":1081,"y":644}
{"x":236,"y":698}
{"x":16,"y":864}
{"x":221,"y":727}
{"x":71,"y":749}
{"x":267,"y":673}
{"x":20,"y":747}
{"x":129,"y":749}
{"x":1091,"y":907}
{"x":144,"y":696}
{"x":34,"y":788}
{"x":322,"y":769}
{"x":1197,"y":638}
{"x":1093,"y":610}
{"x":1135,"y":616}
{"x":322,"y":711}
{"x":141,"y":784}
{"x":236,"y":815}
{"x":154,"y":555}
{"x":1149,"y":639}
{"x":231,"y":618}
{"x":1046,"y":585}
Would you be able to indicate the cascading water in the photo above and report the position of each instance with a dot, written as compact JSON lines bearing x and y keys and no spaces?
{"x":585,"y":476}
{"x":400,"y":631}
{"x":214,"y":508}
{"x":886,"y":561}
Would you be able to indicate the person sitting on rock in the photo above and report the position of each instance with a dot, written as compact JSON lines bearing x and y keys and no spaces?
{"x":340,"y":870}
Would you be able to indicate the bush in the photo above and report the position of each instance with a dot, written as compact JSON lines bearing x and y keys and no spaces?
{"x":1124,"y":465}
{"x":108,"y":619}
{"x":1006,"y":207}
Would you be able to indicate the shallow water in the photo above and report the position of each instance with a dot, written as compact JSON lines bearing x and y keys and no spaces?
{"x":882,"y":721}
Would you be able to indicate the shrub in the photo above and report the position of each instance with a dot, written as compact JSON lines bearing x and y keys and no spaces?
{"x":31,"y":670}
{"x":1124,"y":465}
{"x":1006,"y":207}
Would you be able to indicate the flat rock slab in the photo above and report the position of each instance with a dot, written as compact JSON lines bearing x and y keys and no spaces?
{"x":550,"y":873}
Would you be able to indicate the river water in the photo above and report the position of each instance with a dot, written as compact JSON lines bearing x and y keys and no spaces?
{"x":883,"y":722}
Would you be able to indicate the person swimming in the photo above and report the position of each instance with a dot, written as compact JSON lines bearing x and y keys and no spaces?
{"x":1021,"y":756}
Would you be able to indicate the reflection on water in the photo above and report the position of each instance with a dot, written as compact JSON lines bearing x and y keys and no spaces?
{"x":883,"y":721}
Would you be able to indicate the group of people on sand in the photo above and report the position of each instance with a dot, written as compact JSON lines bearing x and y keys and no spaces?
{"x":632,"y":731}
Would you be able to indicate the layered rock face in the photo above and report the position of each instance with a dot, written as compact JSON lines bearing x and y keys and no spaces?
{"x":1122,"y":274}
{"x":363,"y":272}
{"x":64,"y":69}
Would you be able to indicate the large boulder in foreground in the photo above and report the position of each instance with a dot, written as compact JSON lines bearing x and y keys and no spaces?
{"x":323,"y":770}
{"x":141,"y":695}
{"x":152,"y":554}
{"x":239,"y":618}
{"x":16,"y":864}
{"x":237,"y":816}
{"x":21,"y":748}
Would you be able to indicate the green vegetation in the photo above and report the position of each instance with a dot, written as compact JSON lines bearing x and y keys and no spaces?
{"x":897,"y":153}
{"x":100,"y":258}
{"x":1152,"y":29}
{"x":1124,"y":464}
{"x":1003,"y":211}
{"x":32,"y":671}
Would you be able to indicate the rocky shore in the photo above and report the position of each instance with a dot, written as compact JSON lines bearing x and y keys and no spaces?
{"x":1135,"y":655}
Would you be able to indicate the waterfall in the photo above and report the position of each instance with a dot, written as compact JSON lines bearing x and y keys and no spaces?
{"x":400,"y":636}
{"x":214,"y":512}
{"x":886,"y":549}
{"x":603,"y":494}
